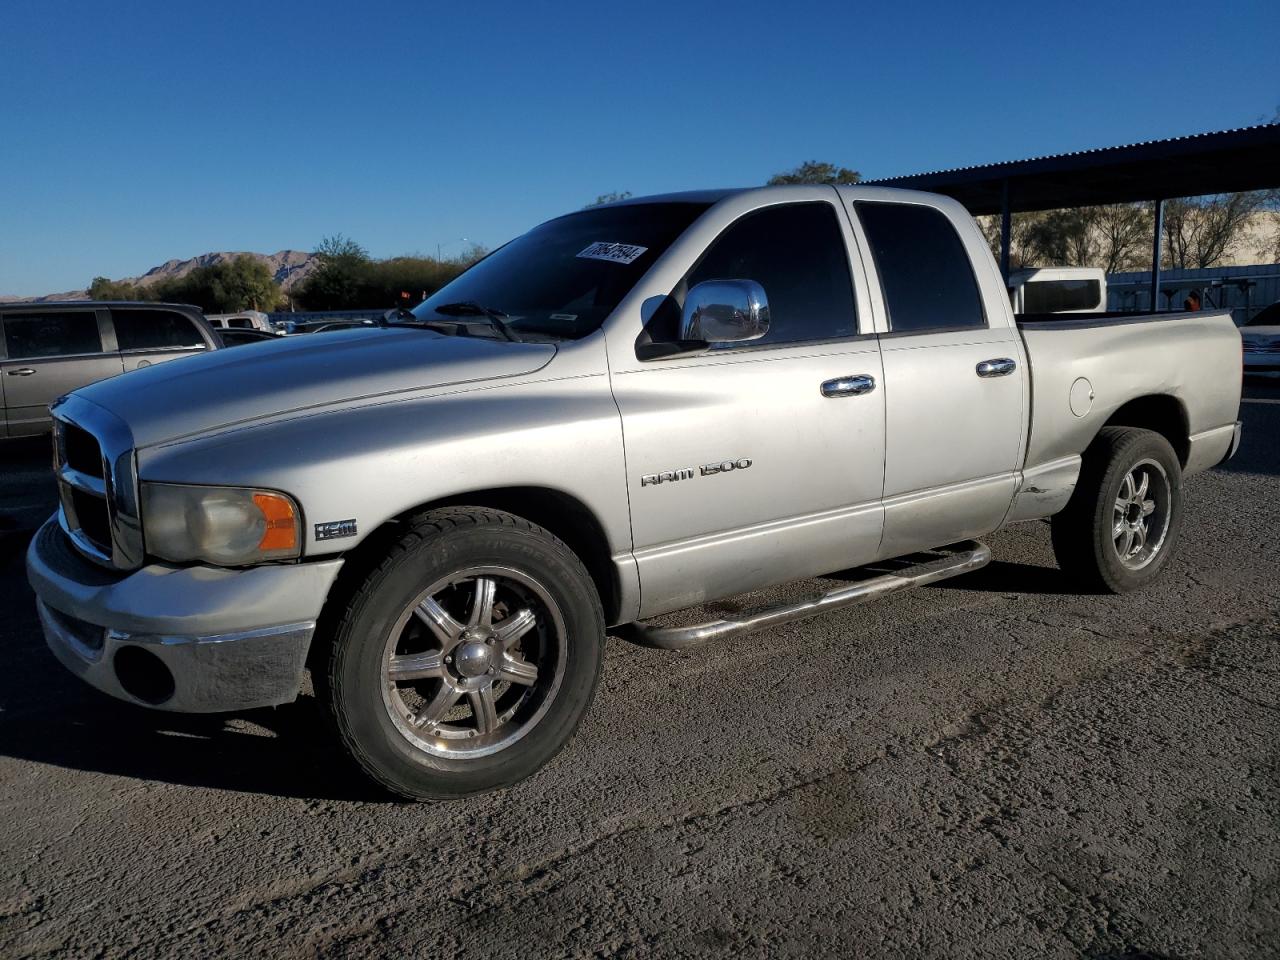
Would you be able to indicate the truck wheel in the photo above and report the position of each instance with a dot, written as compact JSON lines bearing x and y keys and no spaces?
{"x":1121,"y":525}
{"x":467,"y":658}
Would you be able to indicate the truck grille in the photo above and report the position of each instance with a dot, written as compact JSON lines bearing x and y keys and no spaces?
{"x":83,"y":452}
{"x":97,"y":488}
{"x":82,"y":488}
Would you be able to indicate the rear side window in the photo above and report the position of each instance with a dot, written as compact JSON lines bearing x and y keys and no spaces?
{"x":51,"y":334}
{"x":1055,"y":296}
{"x":797,"y":253}
{"x":155,"y":329}
{"x":926,"y":275}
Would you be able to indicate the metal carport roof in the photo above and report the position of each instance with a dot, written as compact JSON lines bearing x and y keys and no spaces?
{"x":1247,"y":158}
{"x":1228,"y":161}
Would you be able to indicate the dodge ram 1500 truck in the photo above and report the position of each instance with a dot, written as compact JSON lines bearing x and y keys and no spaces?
{"x":629,"y":410}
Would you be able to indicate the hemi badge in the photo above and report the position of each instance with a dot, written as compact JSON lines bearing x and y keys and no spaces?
{"x":335,"y":529}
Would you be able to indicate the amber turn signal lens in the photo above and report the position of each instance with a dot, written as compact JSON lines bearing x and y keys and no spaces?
{"x":282,"y":524}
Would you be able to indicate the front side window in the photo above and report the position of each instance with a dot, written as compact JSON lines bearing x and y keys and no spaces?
{"x":29,"y":336}
{"x":925,"y":273}
{"x":563,"y":278}
{"x":797,"y":254}
{"x":155,"y":329}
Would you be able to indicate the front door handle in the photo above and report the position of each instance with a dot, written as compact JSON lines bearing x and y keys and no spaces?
{"x":1001,"y":367}
{"x":21,"y":372}
{"x":853,"y":386}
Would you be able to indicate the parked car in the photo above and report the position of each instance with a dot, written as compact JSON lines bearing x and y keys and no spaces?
{"x":338,"y":325}
{"x":293,"y":327}
{"x":48,"y":349}
{"x":1058,"y":290}
{"x":1261,"y":337}
{"x":238,"y":338}
{"x":630,"y":410}
{"x":244,"y":320}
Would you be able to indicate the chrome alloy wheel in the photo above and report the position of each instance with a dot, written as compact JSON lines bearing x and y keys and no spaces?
{"x":1140,"y":520}
{"x":474,"y":662}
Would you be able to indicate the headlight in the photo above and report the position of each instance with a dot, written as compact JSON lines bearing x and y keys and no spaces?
{"x":228,"y":526}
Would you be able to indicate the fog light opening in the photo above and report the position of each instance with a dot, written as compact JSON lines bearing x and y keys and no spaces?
{"x":143,"y":675}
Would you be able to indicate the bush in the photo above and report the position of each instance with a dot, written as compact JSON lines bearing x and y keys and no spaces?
{"x":349,"y":279}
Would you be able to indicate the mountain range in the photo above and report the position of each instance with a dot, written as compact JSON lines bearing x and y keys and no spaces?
{"x":289,"y":267}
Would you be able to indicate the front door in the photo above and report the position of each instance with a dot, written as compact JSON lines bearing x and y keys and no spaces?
{"x":742,"y":471}
{"x":49,"y":353}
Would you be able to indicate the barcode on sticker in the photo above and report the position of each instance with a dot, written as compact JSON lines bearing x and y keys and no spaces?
{"x":613,"y":252}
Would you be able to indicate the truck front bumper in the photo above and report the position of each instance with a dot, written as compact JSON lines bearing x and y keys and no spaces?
{"x":187,"y":639}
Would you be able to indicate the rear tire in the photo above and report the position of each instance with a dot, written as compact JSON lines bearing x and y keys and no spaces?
{"x":1121,"y":526}
{"x":467,"y":658}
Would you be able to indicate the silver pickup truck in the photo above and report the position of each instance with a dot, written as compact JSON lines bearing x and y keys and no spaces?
{"x":627,"y":411}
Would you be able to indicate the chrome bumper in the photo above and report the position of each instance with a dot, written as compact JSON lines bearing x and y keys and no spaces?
{"x":1235,"y":441}
{"x":187,"y":639}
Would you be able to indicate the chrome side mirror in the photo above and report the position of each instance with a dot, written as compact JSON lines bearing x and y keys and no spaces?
{"x":725,"y":311}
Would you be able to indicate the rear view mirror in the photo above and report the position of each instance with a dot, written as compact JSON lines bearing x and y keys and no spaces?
{"x":725,"y":311}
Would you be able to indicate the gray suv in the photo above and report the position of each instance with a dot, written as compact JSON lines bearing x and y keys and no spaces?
{"x":48,"y":349}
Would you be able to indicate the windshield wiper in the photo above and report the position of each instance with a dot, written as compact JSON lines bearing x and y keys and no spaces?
{"x":469,"y":308}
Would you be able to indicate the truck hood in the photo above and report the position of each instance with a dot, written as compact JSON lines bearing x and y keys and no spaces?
{"x":242,"y":384}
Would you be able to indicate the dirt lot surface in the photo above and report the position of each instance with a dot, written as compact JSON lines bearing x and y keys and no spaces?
{"x":996,"y":766}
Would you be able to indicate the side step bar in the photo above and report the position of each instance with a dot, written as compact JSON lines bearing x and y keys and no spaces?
{"x":947,"y":562}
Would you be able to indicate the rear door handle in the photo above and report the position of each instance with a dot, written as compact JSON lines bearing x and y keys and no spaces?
{"x":21,"y":372}
{"x":853,"y":386}
{"x":1000,"y":367}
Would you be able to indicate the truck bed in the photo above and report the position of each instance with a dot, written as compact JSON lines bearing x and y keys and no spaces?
{"x":1193,"y":357}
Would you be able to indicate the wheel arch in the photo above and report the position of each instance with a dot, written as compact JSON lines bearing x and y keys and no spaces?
{"x":562,"y":514}
{"x":1161,"y":413}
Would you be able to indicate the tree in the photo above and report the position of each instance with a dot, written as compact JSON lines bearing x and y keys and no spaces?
{"x":341,"y":277}
{"x":103,"y":289}
{"x":1113,"y":236}
{"x":244,"y":283}
{"x":349,"y":279}
{"x":1124,"y":236}
{"x":1204,"y":231}
{"x":1021,"y":226}
{"x":608,"y":198}
{"x":811,"y":171}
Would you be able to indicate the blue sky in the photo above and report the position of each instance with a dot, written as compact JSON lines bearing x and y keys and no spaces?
{"x":133,"y":132}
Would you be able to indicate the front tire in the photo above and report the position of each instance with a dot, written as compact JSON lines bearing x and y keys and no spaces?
{"x":467,"y":658}
{"x":1122,"y":523}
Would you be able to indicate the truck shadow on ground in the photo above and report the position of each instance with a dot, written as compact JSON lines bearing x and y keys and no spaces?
{"x":81,"y":729}
{"x":1002,"y":576}
{"x":48,"y":716}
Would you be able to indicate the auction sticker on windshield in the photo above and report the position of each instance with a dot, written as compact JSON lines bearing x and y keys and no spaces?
{"x":613,"y":252}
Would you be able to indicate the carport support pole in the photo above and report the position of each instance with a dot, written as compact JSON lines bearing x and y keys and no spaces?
{"x":1157,"y":220}
{"x":1006,"y":230}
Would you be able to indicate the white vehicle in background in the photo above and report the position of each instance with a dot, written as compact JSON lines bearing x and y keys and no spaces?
{"x":244,"y":320}
{"x":1261,"y":337}
{"x":1058,"y":290}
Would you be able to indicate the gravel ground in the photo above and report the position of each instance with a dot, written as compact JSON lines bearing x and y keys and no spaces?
{"x":996,"y":766}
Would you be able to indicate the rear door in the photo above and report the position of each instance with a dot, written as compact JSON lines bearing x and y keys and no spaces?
{"x":954,"y":380}
{"x":148,"y":335}
{"x":49,"y":353}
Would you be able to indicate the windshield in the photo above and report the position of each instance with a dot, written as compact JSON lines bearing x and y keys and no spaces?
{"x":563,"y":278}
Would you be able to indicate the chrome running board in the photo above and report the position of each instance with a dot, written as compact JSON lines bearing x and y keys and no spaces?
{"x":946,"y":562}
